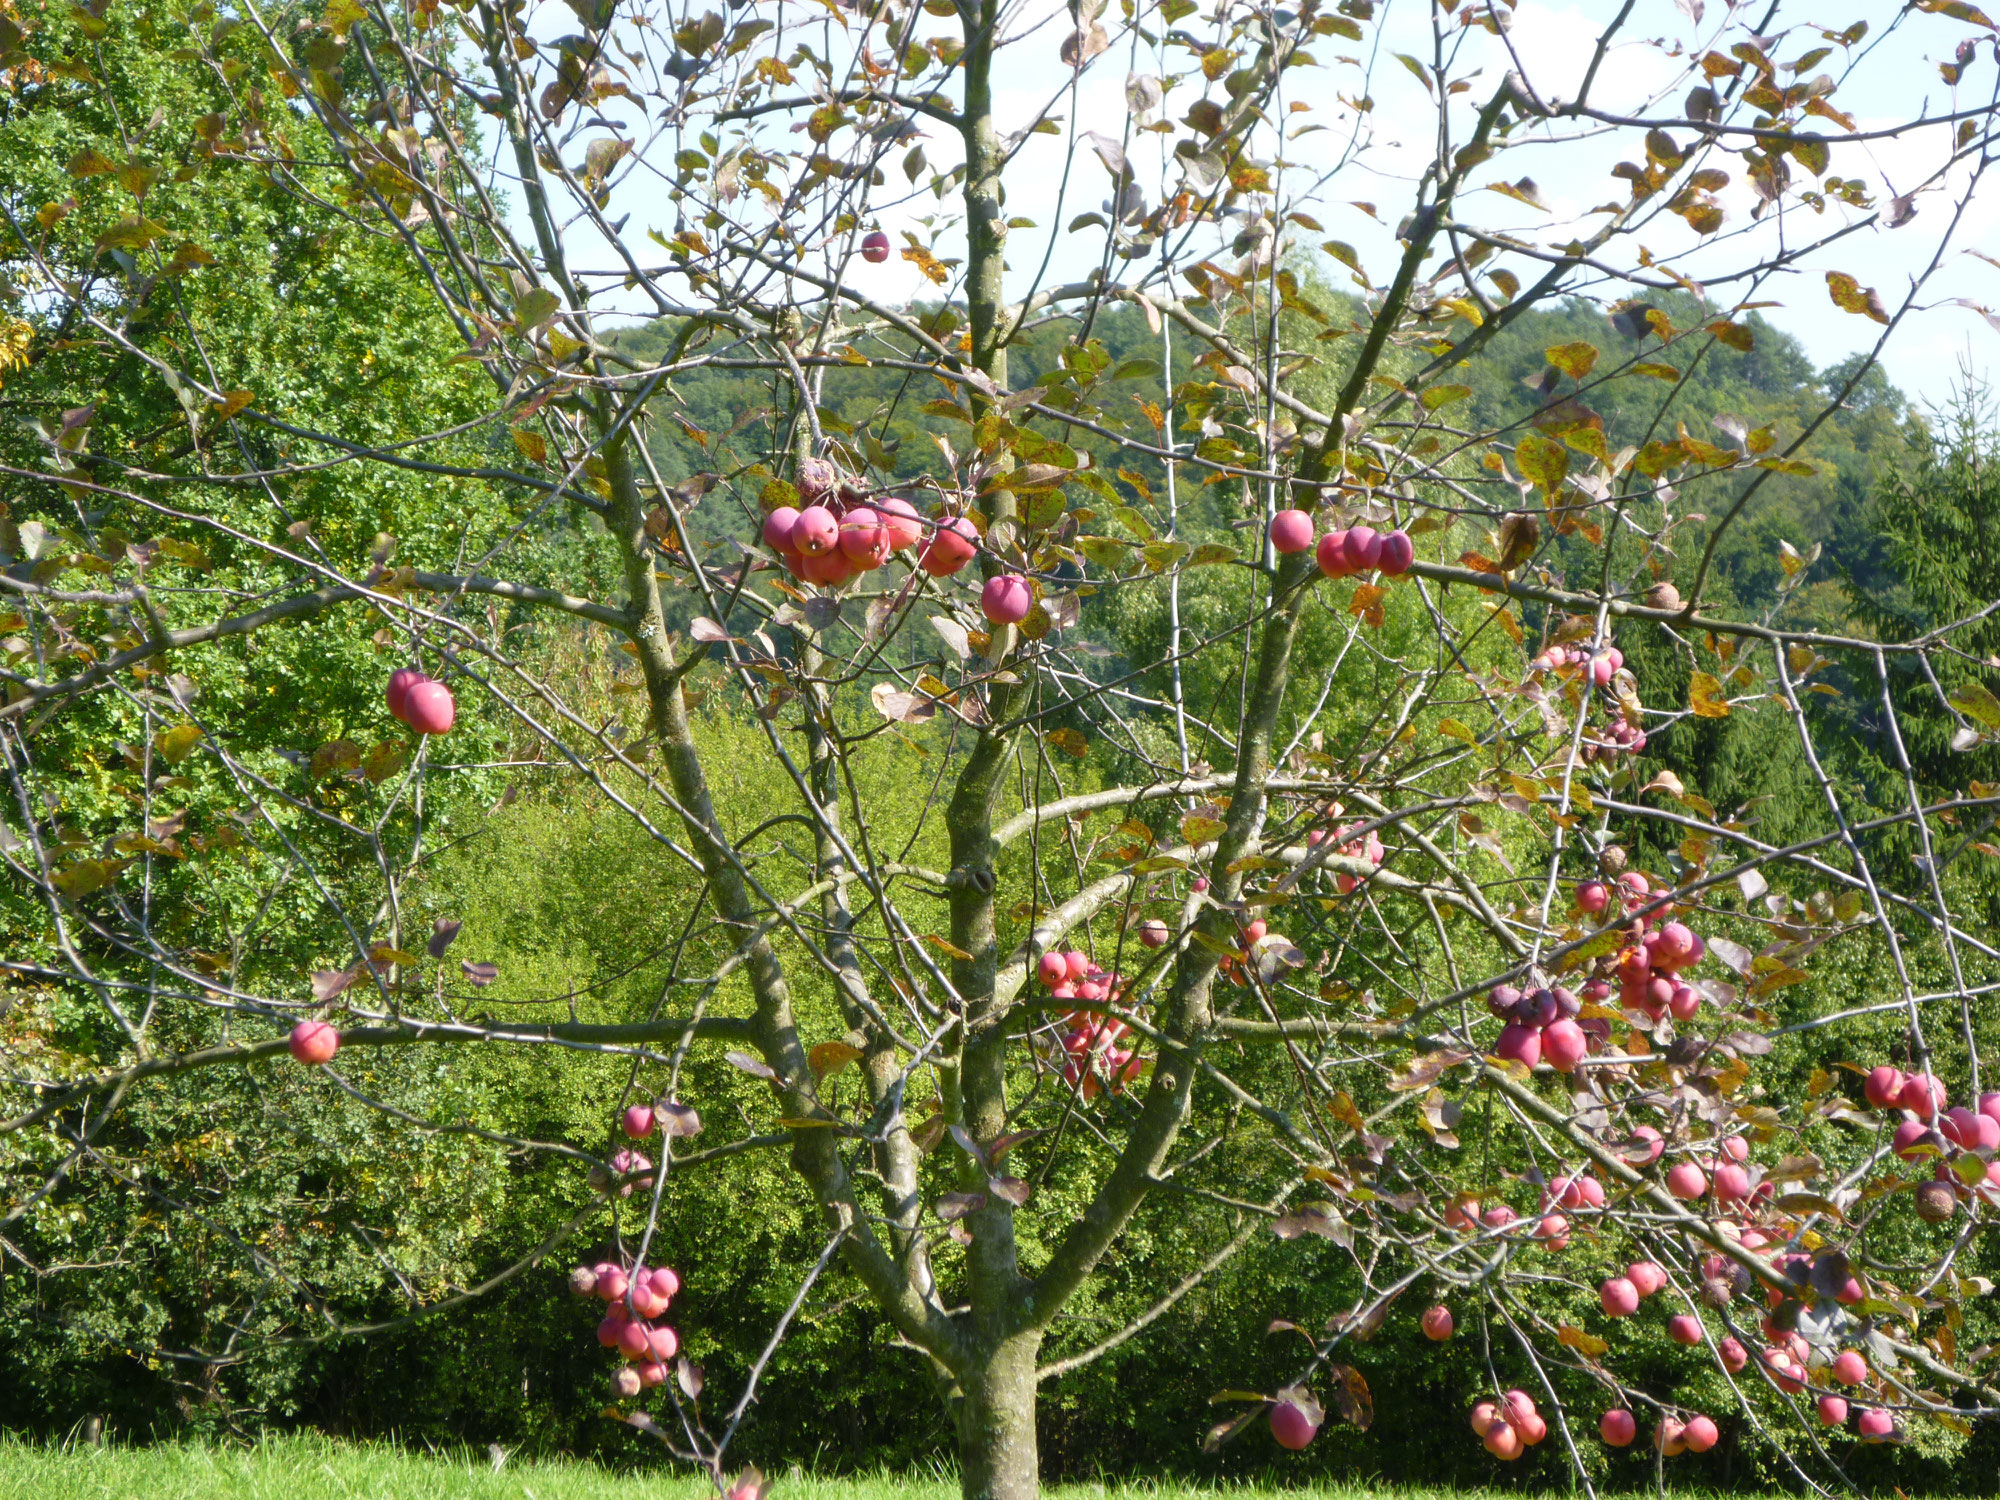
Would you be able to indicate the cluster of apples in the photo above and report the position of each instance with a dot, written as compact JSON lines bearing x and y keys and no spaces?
{"x":1657,"y":951}
{"x":1341,"y":554}
{"x":1542,"y":1026}
{"x":1096,"y":1061}
{"x":1600,"y":665}
{"x":1510,"y":1426}
{"x":842,"y":532}
{"x":1675,"y":1436}
{"x":639,"y":1299}
{"x":1550,"y":1230}
{"x":421,"y":702}
{"x":1368,"y":847}
{"x":1930,"y":1128}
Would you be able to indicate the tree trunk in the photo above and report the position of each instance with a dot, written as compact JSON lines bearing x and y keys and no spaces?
{"x":997,"y":1459}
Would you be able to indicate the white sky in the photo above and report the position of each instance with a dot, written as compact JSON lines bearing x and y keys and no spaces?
{"x":1897,"y":80}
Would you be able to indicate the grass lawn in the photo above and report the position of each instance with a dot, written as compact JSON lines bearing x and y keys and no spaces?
{"x":309,"y":1468}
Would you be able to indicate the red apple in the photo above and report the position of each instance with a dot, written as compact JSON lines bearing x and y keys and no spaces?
{"x":428,"y":708}
{"x":1519,"y":1042}
{"x":875,"y":247}
{"x":651,"y":1374}
{"x":638,"y":1121}
{"x":665,"y":1281}
{"x":1875,"y":1425}
{"x":1564,"y":1045}
{"x":1833,"y":1411}
{"x":1051,"y":969}
{"x":1593,"y":896}
{"x":863,"y":538}
{"x":1883,"y":1086}
{"x":1734,"y":1355}
{"x":1331,"y":555}
{"x":1700,"y":1434}
{"x":1153,"y":933}
{"x":1684,"y":1328}
{"x":1437,"y":1323}
{"x":953,"y":544}
{"x":1362,"y":548}
{"x":1731,"y":1182}
{"x":1618,"y":1428}
{"x":1849,"y":1368}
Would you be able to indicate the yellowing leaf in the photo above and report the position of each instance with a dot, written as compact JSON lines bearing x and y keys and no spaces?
{"x":1705,"y":697}
{"x":828,"y":1058}
{"x":949,"y":950}
{"x":175,"y":745}
{"x":1574,"y":360}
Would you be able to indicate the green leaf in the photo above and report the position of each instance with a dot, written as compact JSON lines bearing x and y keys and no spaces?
{"x":1976,"y":701}
{"x":1444,"y":395}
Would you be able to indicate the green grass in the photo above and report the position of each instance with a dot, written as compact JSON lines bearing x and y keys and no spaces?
{"x":316,"y":1468}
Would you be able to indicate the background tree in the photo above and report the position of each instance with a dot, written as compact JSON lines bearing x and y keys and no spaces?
{"x":978,"y":903}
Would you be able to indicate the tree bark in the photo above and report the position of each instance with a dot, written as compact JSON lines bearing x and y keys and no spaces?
{"x":995,"y":1407}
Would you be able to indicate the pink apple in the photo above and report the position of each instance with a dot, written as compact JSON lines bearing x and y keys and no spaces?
{"x":638,"y":1121}
{"x":651,"y":1374}
{"x":663,"y":1342}
{"x":1646,"y":1277}
{"x":1006,"y":599}
{"x":1833,"y":1411}
{"x":1700,"y":1434}
{"x":1593,"y":896}
{"x":1290,"y":1425}
{"x":665,"y":1281}
{"x":1153,"y":933}
{"x":1671,"y":1435}
{"x":1397,"y":554}
{"x":1684,"y":1328}
{"x":1553,"y":1232}
{"x":1849,"y":1368}
{"x":1484,"y":1415}
{"x":1564,"y":1045}
{"x":633,"y":1339}
{"x":1618,"y":1428}
{"x":428,"y":708}
{"x":1735,"y":1148}
{"x":611,"y":1283}
{"x":1731,"y":1182}
{"x":778,"y":526}
{"x":1652,"y":1140}
{"x":1875,"y":1424}
{"x":905,"y":526}
{"x":1619,"y":1297}
{"x":1077,"y":962}
{"x":1503,"y":1441}
{"x":313,"y":1043}
{"x":1734,"y":1355}
{"x":609,"y":1330}
{"x":1362,"y":547}
{"x":1989,"y":1106}
{"x":1922,"y":1095}
{"x":398,"y":693}
{"x":1291,"y":531}
{"x":647,"y":1302}
{"x":1685,"y":1180}
{"x":952,"y":545}
{"x":1437,"y":1323}
{"x":1499,"y":1216}
{"x":815,"y":531}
